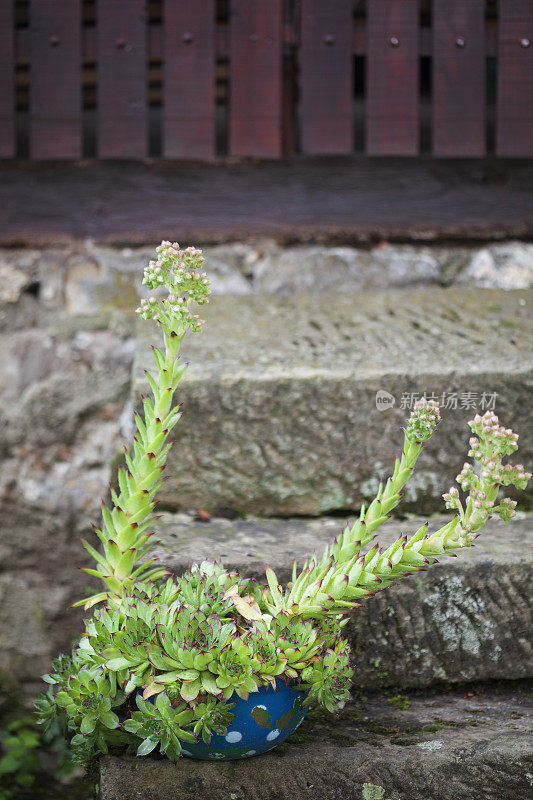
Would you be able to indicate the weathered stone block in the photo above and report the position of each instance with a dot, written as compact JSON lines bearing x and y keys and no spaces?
{"x":500,"y":266}
{"x":302,"y":270}
{"x":61,"y":397}
{"x":280,"y":400}
{"x":441,"y":747}
{"x":24,"y":647}
{"x":466,"y":618}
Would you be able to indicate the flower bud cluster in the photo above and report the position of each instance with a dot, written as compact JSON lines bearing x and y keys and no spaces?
{"x":148,"y":308}
{"x":451,"y":498}
{"x":172,"y":312}
{"x":423,"y":420}
{"x":506,"y":509}
{"x":480,"y":499}
{"x":494,"y":442}
{"x":177,"y":270}
{"x":467,"y":479}
{"x":490,"y":432}
{"x":516,"y":475}
{"x":491,"y":443}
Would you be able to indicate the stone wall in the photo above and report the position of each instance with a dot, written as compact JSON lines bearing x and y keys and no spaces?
{"x":67,"y":332}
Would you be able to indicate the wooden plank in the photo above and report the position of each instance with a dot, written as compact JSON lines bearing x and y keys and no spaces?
{"x":392,"y":103}
{"x":458,"y":78}
{"x":155,"y":41}
{"x":335,"y":201}
{"x":7,"y":76}
{"x":122,"y":79}
{"x":290,"y":88}
{"x":55,"y":82}
{"x":189,"y":79}
{"x":255,"y":111}
{"x":326,"y":77}
{"x":514,"y":126}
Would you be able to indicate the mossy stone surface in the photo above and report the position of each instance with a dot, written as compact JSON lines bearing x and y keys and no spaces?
{"x":367,"y":745}
{"x":280,"y":414}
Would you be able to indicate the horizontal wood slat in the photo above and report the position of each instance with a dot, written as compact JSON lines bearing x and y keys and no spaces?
{"x":7,"y":79}
{"x":55,"y":63}
{"x":155,"y":41}
{"x":514,"y":126}
{"x":392,"y":104}
{"x":458,"y":78}
{"x":256,"y":38}
{"x":122,"y":79}
{"x":189,"y":79}
{"x":326,"y":81}
{"x":156,"y":47}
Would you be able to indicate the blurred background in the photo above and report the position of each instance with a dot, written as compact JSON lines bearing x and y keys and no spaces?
{"x":359,"y":175}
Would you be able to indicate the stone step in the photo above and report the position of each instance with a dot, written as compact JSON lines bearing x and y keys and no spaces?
{"x":466,"y":618}
{"x":441,"y":746}
{"x":281,"y":416}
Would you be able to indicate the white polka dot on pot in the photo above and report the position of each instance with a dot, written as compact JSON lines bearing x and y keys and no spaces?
{"x":233,"y":736}
{"x":273,"y":735}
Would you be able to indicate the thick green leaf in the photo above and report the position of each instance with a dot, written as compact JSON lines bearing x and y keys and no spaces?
{"x":87,"y":725}
{"x":146,"y":747}
{"x":109,"y":719}
{"x":190,"y":690}
{"x":63,"y":699}
{"x":95,"y":554}
{"x":131,"y":725}
{"x":121,"y":662}
{"x":209,"y":683}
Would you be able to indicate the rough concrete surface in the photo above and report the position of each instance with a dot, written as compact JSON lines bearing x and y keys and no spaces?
{"x":467,"y":745}
{"x":280,"y":396}
{"x":466,"y":618}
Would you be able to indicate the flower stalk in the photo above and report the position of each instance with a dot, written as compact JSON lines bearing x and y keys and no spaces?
{"x":124,"y":534}
{"x":331,"y":586}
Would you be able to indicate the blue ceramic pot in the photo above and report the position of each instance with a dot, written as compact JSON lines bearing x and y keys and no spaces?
{"x":260,"y":723}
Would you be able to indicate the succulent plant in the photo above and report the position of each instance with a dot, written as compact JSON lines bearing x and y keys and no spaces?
{"x":234,"y":670}
{"x":266,"y":648}
{"x":47,"y":709}
{"x":187,"y":649}
{"x":328,"y":680}
{"x":206,"y":587}
{"x":298,"y":641}
{"x":160,"y":724}
{"x":168,"y":654}
{"x":88,"y":698}
{"x":212,"y":717}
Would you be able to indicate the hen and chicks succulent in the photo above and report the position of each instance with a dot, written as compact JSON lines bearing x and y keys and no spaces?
{"x":160,"y":662}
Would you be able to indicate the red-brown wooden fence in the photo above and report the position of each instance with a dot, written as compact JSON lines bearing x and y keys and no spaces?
{"x":262,"y":78}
